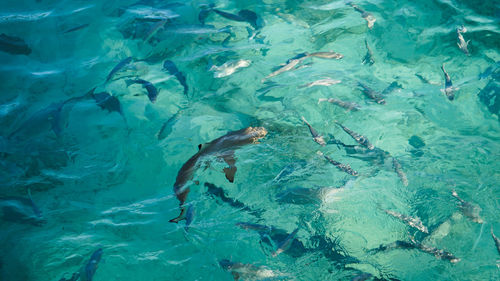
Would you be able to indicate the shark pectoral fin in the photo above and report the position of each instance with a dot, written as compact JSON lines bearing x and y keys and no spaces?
{"x":236,"y":275}
{"x":181,"y":216}
{"x":231,"y":170}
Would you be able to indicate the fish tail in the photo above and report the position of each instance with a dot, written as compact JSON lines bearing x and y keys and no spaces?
{"x":182,"y":216}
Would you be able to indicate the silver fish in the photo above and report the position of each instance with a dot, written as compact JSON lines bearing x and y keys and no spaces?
{"x":496,"y":239}
{"x":469,"y":210}
{"x":287,"y":67}
{"x":248,"y":271}
{"x":326,"y":55}
{"x":369,"y":92}
{"x":413,"y":222}
{"x":399,"y":170}
{"x":357,"y":137}
{"x":347,"y":105}
{"x":343,"y":167}
{"x":316,"y":137}
{"x":229,"y":68}
{"x":321,"y":82}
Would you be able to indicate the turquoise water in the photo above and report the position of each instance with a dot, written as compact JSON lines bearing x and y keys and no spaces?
{"x":100,"y":166}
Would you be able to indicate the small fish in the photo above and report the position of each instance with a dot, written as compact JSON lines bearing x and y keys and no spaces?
{"x":357,"y":137}
{"x":152,"y":91}
{"x":393,"y":86}
{"x":316,"y":137}
{"x":462,"y":45}
{"x":14,"y":45}
{"x":496,"y":239}
{"x":256,"y":227}
{"x":422,"y":78}
{"x":369,"y":92}
{"x":252,"y":18}
{"x":40,"y":119}
{"x":21,"y":210}
{"x":229,"y":16}
{"x":399,"y":170}
{"x":166,"y":128}
{"x":370,"y":19}
{"x":119,"y":66}
{"x":340,"y":166}
{"x":76,"y":28}
{"x":287,"y":67}
{"x":154,"y":29}
{"x":87,"y":272}
{"x":218,"y":192}
{"x":321,"y":82}
{"x":229,"y":68}
{"x":413,"y":222}
{"x":248,"y":271}
{"x":448,"y":86}
{"x":347,"y":105}
{"x":469,"y":210}
{"x":286,"y":243}
{"x":440,"y":254}
{"x":326,"y":55}
{"x":368,"y":59}
{"x":169,"y":66}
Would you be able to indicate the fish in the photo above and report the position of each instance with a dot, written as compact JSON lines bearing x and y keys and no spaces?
{"x":152,"y":91}
{"x":347,"y":105}
{"x":316,"y":137}
{"x":369,"y":92}
{"x":218,"y":192}
{"x":243,"y":16}
{"x":154,"y":29}
{"x":393,"y":86}
{"x":362,"y":140}
{"x":229,"y":16}
{"x":87,"y":272}
{"x":448,"y":86}
{"x":256,"y":227}
{"x":78,"y":27}
{"x":48,"y":115}
{"x":13,"y":45}
{"x":286,"y":243}
{"x":368,"y":59}
{"x":462,"y":45}
{"x":229,"y":68}
{"x":166,"y":128}
{"x":169,"y":66}
{"x":205,"y":11}
{"x":469,"y":210}
{"x":399,"y":171}
{"x":248,"y":271}
{"x":422,"y":78}
{"x":222,"y":147}
{"x":411,"y":221}
{"x":438,"y":253}
{"x":321,"y":82}
{"x":370,"y":19}
{"x":118,"y":67}
{"x":291,"y":63}
{"x":151,"y":13}
{"x":21,"y":210}
{"x":496,"y":239}
{"x":326,"y":55}
{"x":345,"y":168}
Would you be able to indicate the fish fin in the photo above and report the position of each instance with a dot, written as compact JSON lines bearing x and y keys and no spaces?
{"x":236,"y":275}
{"x":182,"y":216}
{"x":231,"y":170}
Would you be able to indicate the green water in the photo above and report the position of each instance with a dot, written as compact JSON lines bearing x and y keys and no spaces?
{"x":104,"y":179}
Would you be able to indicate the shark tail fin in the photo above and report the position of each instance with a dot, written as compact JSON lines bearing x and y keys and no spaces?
{"x":182,"y":216}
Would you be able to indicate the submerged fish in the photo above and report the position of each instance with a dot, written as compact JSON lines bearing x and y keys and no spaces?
{"x":496,"y":239}
{"x":345,"y":168}
{"x":13,"y":45}
{"x":362,"y":140}
{"x":222,"y":147}
{"x":369,"y":92}
{"x":370,"y":19}
{"x":118,"y":67}
{"x":218,"y":192}
{"x":286,"y":243}
{"x":393,"y":86}
{"x":469,"y":210}
{"x":462,"y":45}
{"x":166,"y":128}
{"x":78,"y":27}
{"x":243,"y":16}
{"x":152,"y":91}
{"x":169,"y":66}
{"x":368,"y":59}
{"x":316,"y":137}
{"x":321,"y":82}
{"x":448,"y":86}
{"x":347,"y":105}
{"x":326,"y":55}
{"x":21,"y":210}
{"x":87,"y":272}
{"x":290,"y":64}
{"x":248,"y":271}
{"x":229,"y":68}
{"x":440,"y":254}
{"x":40,"y":119}
{"x":399,"y":171}
{"x":413,"y":222}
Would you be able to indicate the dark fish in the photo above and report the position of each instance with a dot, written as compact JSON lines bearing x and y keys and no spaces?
{"x":448,"y":86}
{"x":422,"y":79}
{"x":393,"y":86}
{"x":416,"y":141}
{"x":345,"y":104}
{"x":13,"y":45}
{"x":440,"y":254}
{"x":50,"y":115}
{"x":411,"y":221}
{"x":119,"y":66}
{"x":399,"y":171}
{"x":222,"y":147}
{"x":256,"y":227}
{"x":229,"y":16}
{"x":368,"y":59}
{"x":166,"y":129}
{"x":369,"y":92}
{"x":152,"y":91}
{"x":205,"y":11}
{"x":357,"y":137}
{"x":169,"y":66}
{"x":88,"y":271}
{"x":76,"y":28}
{"x":496,"y":239}
{"x":316,"y":137}
{"x":218,"y":192}
{"x":286,"y":243}
{"x":22,"y":210}
{"x":469,"y":210}
{"x":340,"y":166}
{"x":252,"y":18}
